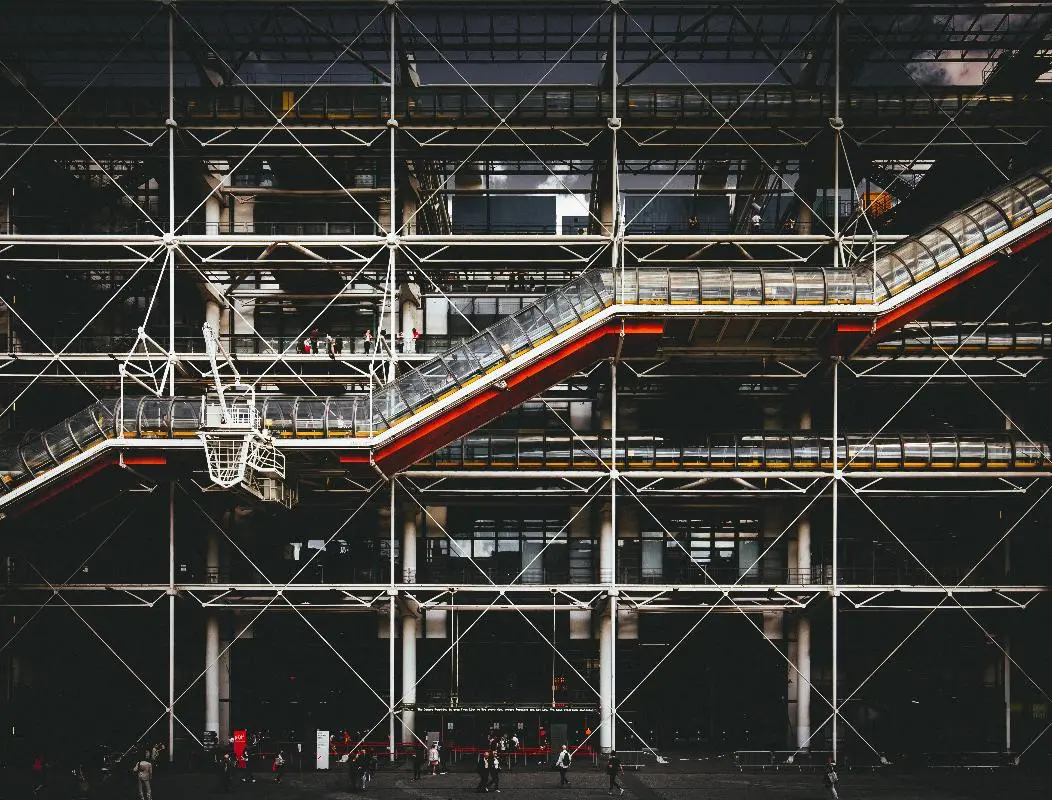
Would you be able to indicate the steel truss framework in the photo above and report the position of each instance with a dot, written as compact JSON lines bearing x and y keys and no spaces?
{"x":234,"y":268}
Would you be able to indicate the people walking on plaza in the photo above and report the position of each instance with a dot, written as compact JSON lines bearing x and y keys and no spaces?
{"x":432,"y":757}
{"x":494,"y":772}
{"x":830,"y":780}
{"x":419,"y":760}
{"x":614,"y":767}
{"x":278,"y":767}
{"x":226,"y":771}
{"x":482,"y":770}
{"x":562,"y":763}
{"x":143,"y":771}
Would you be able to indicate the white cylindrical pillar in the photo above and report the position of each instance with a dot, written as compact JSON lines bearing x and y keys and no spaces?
{"x":606,"y":672}
{"x":803,"y":682}
{"x":410,"y":309}
{"x":409,"y":545}
{"x":224,"y":691}
{"x":212,"y":673}
{"x":409,"y":625}
{"x":212,"y":639}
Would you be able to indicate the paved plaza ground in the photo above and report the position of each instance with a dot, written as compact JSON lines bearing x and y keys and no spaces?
{"x":690,"y":780}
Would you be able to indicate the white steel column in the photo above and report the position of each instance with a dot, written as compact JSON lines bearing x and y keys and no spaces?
{"x":409,"y":628}
{"x":212,"y":666}
{"x":170,"y":236}
{"x":171,"y":620}
{"x":834,"y":590}
{"x":1007,"y":680}
{"x":608,"y":575}
{"x":391,"y":630}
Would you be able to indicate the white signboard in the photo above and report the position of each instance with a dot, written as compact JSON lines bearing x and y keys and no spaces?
{"x":321,"y":758}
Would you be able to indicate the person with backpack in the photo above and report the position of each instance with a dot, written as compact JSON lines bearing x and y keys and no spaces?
{"x":562,"y":763}
{"x":143,"y":772}
{"x":482,"y":770}
{"x":830,"y":780}
{"x":614,"y":767}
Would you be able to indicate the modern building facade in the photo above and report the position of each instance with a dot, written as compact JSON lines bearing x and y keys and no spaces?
{"x":617,"y":373}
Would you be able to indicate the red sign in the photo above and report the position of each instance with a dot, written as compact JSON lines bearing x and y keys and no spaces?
{"x":240,"y":739}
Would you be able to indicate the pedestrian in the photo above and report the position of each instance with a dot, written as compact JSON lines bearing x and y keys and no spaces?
{"x":562,"y":763}
{"x":755,"y":222}
{"x":830,"y":779}
{"x":614,"y":767}
{"x":143,"y":771}
{"x":226,"y":771}
{"x":314,"y":336}
{"x":513,"y":746}
{"x":278,"y":766}
{"x":494,"y":772}
{"x":306,"y":347}
{"x":330,"y":346}
{"x":419,"y":760}
{"x":415,"y":340}
{"x":432,"y":757}
{"x":367,"y":339}
{"x":482,"y":770}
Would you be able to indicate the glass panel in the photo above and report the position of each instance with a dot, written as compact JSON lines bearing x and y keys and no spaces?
{"x":653,"y":286}
{"x":12,"y":473}
{"x":391,"y":405}
{"x":461,"y":363}
{"x":503,"y":451}
{"x":556,"y":306}
{"x":963,"y":229}
{"x":603,"y":283}
{"x":130,"y":415}
{"x":557,"y":451}
{"x":36,"y":456}
{"x":531,"y":451}
{"x":510,"y":337}
{"x":684,"y":286}
{"x":340,"y":416}
{"x":722,"y":451}
{"x":105,"y":415}
{"x":277,"y":415}
{"x":534,"y":324}
{"x":627,"y":283}
{"x":153,"y":417}
{"x":840,"y":286}
{"x":778,"y":286}
{"x":84,"y":427}
{"x":998,"y":453}
{"x":972,"y":452}
{"x":943,"y":452}
{"x":60,"y":442}
{"x":889,"y":451}
{"x":864,"y":289}
{"x":860,"y":452}
{"x":1014,"y":204}
{"x":810,"y":287}
{"x":941,"y":246}
{"x":750,"y":452}
{"x":438,"y":377}
{"x":989,"y":219}
{"x":185,"y":417}
{"x":1027,"y":454}
{"x":640,"y":452}
{"x":916,"y":259}
{"x":805,"y":452}
{"x":917,"y":453}
{"x":310,"y":418}
{"x":716,"y":286}
{"x":582,"y":297}
{"x":415,"y":390}
{"x":485,"y":351}
{"x":746,"y":285}
{"x":1039,"y":191}
{"x":777,"y":452}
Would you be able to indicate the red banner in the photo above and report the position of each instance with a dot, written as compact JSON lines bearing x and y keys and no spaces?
{"x":240,"y":740}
